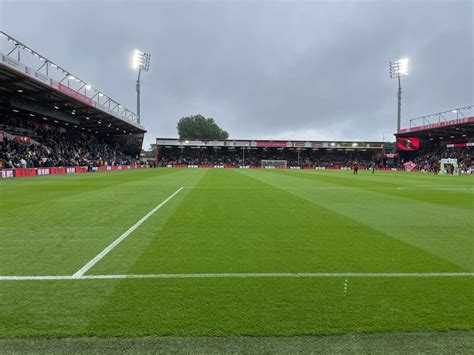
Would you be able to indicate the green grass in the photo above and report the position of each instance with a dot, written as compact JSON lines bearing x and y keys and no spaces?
{"x":236,"y":221}
{"x":461,"y":342}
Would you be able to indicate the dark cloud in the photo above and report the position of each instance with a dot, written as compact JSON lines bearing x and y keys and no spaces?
{"x":262,"y":69}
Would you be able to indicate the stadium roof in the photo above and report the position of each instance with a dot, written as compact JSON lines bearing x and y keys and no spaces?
{"x":30,"y":92}
{"x":255,"y":143}
{"x":441,"y":125}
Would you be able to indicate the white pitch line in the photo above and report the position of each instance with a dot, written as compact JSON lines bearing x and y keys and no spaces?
{"x":37,"y":278}
{"x":449,"y":188}
{"x":112,"y":245}
{"x":241,"y":275}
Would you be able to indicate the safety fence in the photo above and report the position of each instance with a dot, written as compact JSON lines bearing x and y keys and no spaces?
{"x":22,"y":172}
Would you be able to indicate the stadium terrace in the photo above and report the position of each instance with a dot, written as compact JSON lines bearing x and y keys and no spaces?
{"x":438,"y":143}
{"x":241,"y":153}
{"x":432,"y":138}
{"x":51,"y":118}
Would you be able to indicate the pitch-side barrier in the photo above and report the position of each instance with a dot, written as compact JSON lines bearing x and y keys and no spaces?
{"x":210,"y":166}
{"x":21,"y":172}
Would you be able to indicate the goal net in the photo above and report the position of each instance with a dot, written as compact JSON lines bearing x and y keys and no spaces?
{"x":448,"y":166}
{"x":274,"y":164}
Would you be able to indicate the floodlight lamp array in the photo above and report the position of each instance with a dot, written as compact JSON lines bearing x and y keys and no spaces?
{"x":141,"y":60}
{"x":399,"y":68}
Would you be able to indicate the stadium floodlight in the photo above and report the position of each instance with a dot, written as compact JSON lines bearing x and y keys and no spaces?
{"x":141,"y":61}
{"x":399,"y":68}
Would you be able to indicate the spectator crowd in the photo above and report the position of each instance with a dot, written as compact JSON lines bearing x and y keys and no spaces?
{"x":253,"y":157}
{"x":52,"y":149}
{"x":430,"y":161}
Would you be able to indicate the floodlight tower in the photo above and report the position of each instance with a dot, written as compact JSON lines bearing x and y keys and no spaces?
{"x":141,"y":61}
{"x":398,"y":69}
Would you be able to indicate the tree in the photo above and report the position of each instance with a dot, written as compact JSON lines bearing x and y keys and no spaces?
{"x":198,"y":126}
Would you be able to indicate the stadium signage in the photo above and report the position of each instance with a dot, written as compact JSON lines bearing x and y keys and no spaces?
{"x":460,"y":145}
{"x":302,"y":144}
{"x":272,"y":144}
{"x":20,"y":172}
{"x":124,"y":114}
{"x":74,"y":94}
{"x":237,"y":143}
{"x":167,"y":142}
{"x":439,"y":125}
{"x":177,"y":142}
{"x":448,"y":161}
{"x":42,"y":171}
{"x":410,"y":143}
{"x":199,"y":143}
{"x":7,"y":174}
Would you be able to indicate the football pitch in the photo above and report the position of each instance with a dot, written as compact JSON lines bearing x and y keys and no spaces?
{"x":235,"y":252}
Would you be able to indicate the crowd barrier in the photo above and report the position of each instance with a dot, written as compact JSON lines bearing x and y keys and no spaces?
{"x":210,"y":166}
{"x":12,"y":173}
{"x":21,"y":172}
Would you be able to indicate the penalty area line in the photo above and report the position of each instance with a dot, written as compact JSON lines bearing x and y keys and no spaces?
{"x":112,"y":245}
{"x":241,"y":275}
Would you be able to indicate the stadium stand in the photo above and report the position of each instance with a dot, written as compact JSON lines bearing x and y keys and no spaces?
{"x":418,"y":148}
{"x":436,"y":138}
{"x":51,"y":118}
{"x":53,"y":148}
{"x":250,"y":153}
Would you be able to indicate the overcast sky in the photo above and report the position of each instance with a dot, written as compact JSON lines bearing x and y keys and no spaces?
{"x":262,"y":69}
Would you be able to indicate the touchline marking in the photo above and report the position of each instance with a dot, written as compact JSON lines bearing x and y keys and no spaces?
{"x":433,"y":186}
{"x":239,"y":275}
{"x":112,"y":245}
{"x":438,"y":187}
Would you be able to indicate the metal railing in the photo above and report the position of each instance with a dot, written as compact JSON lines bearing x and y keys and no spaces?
{"x":14,"y":53}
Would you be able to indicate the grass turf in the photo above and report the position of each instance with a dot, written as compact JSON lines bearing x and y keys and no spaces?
{"x":461,"y":342}
{"x":236,"y":221}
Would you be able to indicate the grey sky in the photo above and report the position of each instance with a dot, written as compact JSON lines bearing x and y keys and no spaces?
{"x":262,"y":69}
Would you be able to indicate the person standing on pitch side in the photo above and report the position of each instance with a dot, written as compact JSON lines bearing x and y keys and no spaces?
{"x":372,"y":166}
{"x":356,"y":168}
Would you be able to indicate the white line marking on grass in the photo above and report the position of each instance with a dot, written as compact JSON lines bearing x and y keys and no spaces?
{"x":112,"y":245}
{"x":38,"y":278}
{"x":439,"y":187}
{"x":240,"y":275}
{"x":287,"y":188}
{"x":337,"y":188}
